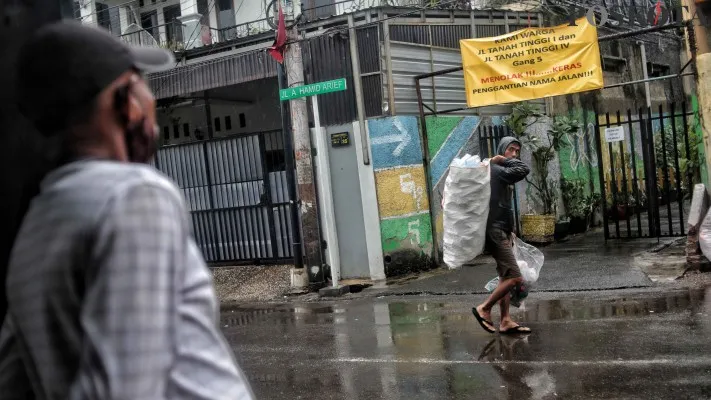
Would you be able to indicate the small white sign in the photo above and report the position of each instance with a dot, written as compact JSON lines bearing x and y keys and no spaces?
{"x":615,"y":134}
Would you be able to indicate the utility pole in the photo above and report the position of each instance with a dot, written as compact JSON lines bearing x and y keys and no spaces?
{"x":22,"y":160}
{"x":308,"y":205}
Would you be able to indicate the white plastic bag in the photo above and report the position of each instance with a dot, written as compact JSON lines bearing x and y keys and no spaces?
{"x":529,"y":259}
{"x":705,"y":235}
{"x":466,"y":209}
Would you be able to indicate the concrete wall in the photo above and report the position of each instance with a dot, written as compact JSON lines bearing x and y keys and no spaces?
{"x":403,"y":204}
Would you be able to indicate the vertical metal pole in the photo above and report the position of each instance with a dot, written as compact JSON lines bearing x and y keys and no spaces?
{"x":677,"y":175}
{"x":613,"y":181}
{"x":389,"y":67}
{"x":649,"y":182}
{"x":472,"y":25}
{"x":358,"y":87}
{"x":635,"y":182}
{"x":644,"y":72}
{"x":426,"y":166}
{"x":290,"y":172}
{"x":625,"y":191}
{"x":665,"y":169}
{"x":689,"y":172}
{"x":601,"y":173}
{"x":652,"y":159}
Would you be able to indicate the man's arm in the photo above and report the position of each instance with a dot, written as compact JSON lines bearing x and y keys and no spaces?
{"x":130,"y":311}
{"x":510,"y":171}
{"x":14,"y":382}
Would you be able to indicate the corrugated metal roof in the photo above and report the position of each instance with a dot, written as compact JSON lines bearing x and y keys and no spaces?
{"x":449,"y":35}
{"x":224,"y":71}
{"x":369,"y":57}
{"x":328,"y":57}
{"x":441,"y":92}
{"x":368,"y":49}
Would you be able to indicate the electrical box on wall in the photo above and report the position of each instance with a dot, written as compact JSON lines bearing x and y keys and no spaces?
{"x":340,"y":139}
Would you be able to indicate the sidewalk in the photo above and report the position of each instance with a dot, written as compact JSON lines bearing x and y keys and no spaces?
{"x":584,"y":262}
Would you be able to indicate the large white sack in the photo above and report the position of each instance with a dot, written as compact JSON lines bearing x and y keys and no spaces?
{"x":705,"y":235}
{"x":465,"y":208}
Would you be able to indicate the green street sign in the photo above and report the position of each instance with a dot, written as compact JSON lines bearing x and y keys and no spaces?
{"x":313,"y":89}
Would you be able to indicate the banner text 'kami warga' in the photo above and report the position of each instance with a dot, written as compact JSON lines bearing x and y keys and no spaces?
{"x":531,"y":63}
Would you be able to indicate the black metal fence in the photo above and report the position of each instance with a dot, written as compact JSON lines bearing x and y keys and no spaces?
{"x":648,"y":166}
{"x":489,"y":138}
{"x":236,"y":191}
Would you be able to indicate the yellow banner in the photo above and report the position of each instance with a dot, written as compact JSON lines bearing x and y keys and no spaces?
{"x":531,"y":63}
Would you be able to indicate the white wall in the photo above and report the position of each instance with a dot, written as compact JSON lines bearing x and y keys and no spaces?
{"x":248,"y":11}
{"x":261,"y":112}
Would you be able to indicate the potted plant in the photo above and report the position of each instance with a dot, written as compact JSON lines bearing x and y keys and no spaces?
{"x":576,"y":204}
{"x":543,"y":190}
{"x":562,"y":227}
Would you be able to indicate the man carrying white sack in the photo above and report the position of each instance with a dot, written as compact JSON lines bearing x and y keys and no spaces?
{"x":506,"y":170}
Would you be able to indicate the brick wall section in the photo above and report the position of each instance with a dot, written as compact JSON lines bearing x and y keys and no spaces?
{"x":695,"y":260}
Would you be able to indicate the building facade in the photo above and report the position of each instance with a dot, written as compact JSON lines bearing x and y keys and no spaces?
{"x":221,"y":125}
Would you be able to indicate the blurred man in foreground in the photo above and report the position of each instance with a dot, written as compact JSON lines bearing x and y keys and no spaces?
{"x":109,"y":297}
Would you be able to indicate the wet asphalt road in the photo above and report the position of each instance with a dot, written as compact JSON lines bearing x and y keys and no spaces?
{"x":597,"y":345}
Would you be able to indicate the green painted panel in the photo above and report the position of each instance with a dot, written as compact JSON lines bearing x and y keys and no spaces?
{"x":438,"y":129}
{"x":413,"y":231}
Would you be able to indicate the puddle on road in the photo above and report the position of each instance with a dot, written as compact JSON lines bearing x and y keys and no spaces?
{"x":408,"y":312}
{"x":432,"y":348}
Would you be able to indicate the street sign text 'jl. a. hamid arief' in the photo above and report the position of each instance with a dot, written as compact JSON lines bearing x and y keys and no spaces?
{"x":531,"y":63}
{"x":313,"y":89}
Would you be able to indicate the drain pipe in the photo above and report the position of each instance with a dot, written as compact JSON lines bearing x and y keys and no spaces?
{"x":644,"y":72}
{"x":358,"y":87}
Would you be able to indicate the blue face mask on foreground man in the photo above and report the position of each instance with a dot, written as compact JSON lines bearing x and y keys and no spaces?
{"x":109,"y":297}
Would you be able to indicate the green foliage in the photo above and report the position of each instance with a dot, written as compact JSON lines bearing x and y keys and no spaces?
{"x":577,"y":203}
{"x":523,"y":116}
{"x":673,"y":149}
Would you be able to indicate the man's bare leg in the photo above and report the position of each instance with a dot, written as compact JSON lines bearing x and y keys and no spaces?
{"x":502,"y":289}
{"x":506,"y":321}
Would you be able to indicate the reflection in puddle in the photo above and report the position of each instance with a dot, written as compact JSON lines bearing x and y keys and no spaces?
{"x":412,"y":348}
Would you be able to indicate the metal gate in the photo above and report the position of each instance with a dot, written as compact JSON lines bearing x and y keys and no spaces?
{"x":648,"y":167}
{"x":236,"y":191}
{"x":489,"y":138}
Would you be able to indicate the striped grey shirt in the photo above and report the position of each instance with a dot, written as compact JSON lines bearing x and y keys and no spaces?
{"x":109,"y":297}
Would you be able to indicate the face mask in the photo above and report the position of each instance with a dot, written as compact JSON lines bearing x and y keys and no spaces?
{"x":141,"y":142}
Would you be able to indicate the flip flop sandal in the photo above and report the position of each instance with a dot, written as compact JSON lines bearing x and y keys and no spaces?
{"x":520,"y":330}
{"x":482,"y":321}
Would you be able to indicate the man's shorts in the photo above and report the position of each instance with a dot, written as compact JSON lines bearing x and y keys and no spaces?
{"x":500,"y":245}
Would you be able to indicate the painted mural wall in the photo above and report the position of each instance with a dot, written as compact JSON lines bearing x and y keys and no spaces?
{"x":577,"y":155}
{"x":403,"y":203}
{"x":448,"y":137}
